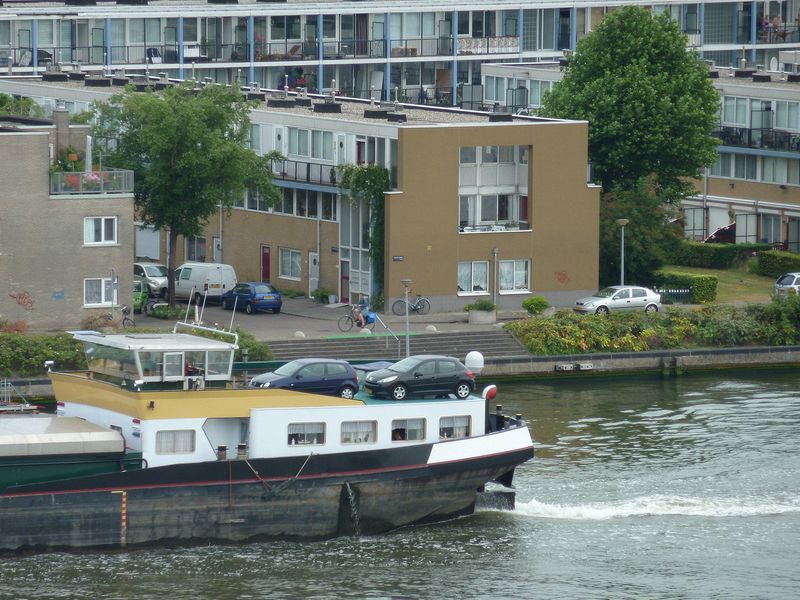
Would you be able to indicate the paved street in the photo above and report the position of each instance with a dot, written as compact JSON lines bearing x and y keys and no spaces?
{"x":317,"y":320}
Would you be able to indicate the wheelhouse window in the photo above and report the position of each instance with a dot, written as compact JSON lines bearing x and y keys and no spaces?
{"x":408,"y":430}
{"x":100,"y":230}
{"x":514,"y":275}
{"x":98,"y":292}
{"x":290,"y":261}
{"x":359,"y":432}
{"x":309,"y":434}
{"x":178,"y":441}
{"x":473,"y":277}
{"x":454,"y":427}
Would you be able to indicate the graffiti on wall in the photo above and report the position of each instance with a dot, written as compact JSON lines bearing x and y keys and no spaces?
{"x":561,"y":276}
{"x":24,"y":299}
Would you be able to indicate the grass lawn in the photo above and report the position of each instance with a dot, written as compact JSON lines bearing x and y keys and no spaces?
{"x":735,"y":286}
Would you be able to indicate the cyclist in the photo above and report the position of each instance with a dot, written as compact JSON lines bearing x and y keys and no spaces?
{"x":360,"y":310}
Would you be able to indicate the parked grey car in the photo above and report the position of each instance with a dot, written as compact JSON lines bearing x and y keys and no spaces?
{"x":618,"y":298}
{"x":787,"y":283}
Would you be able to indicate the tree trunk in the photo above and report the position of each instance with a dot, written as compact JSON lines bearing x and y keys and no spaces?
{"x":173,"y":245}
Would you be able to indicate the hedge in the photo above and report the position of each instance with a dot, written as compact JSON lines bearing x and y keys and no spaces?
{"x":715,"y":256}
{"x":704,"y":287}
{"x":774,"y":263}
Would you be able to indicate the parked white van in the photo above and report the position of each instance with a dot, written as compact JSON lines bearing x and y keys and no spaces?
{"x":197,"y":279}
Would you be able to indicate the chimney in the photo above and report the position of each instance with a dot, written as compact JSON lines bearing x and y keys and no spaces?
{"x":61,"y":121}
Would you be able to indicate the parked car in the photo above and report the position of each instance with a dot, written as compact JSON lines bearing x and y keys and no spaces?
{"x":421,"y":375}
{"x":788,"y":283}
{"x":155,"y":275}
{"x":140,"y":294}
{"x":196,"y":280}
{"x":251,"y":296}
{"x":312,"y":375}
{"x":618,"y":298}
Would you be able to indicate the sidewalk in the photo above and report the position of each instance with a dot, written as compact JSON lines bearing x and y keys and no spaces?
{"x":316,"y":320}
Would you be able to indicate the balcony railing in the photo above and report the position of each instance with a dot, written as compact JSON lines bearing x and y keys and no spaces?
{"x":490,"y":45}
{"x":118,"y":181}
{"x":304,"y":172}
{"x":771,"y":139}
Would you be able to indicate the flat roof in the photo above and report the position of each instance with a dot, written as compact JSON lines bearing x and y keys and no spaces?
{"x":156,"y":342}
{"x":42,"y":435}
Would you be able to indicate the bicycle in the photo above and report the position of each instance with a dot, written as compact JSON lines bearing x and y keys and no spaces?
{"x":421,"y":305}
{"x":346,"y":322}
{"x":126,"y":320}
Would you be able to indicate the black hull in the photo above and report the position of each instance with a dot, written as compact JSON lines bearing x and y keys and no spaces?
{"x":297,"y":498}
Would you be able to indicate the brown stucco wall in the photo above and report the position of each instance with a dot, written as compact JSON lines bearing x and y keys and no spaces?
{"x":747,"y":190}
{"x":422,"y":219}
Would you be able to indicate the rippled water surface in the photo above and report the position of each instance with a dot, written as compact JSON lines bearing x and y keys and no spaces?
{"x":641,"y":488}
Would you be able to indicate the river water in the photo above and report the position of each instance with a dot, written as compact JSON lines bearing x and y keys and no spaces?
{"x":641,"y":488}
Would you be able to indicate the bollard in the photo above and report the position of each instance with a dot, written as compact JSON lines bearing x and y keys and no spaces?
{"x":241,"y":451}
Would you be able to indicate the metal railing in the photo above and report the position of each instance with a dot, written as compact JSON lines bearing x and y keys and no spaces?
{"x":303,"y":171}
{"x":771,"y":139}
{"x":118,"y":181}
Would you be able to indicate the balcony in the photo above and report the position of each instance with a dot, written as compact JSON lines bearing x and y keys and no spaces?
{"x":117,"y":181}
{"x":489,"y":45}
{"x":304,"y":172}
{"x":768,"y":139}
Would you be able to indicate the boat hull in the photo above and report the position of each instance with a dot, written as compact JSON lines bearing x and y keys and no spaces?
{"x":313,"y":497}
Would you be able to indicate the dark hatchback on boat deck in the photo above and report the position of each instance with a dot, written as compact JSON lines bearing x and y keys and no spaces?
{"x":312,"y":375}
{"x":421,"y":375}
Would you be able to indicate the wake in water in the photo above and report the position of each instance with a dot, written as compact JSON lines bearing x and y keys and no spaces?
{"x":660,"y":505}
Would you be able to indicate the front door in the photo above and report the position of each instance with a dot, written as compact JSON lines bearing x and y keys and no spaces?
{"x":313,"y":272}
{"x":344,"y":283}
{"x":264,"y":263}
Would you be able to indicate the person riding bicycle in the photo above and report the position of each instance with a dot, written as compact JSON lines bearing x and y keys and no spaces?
{"x":360,"y":310}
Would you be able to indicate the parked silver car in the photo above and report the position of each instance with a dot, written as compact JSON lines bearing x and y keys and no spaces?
{"x":620,"y":297}
{"x":155,"y":275}
{"x":788,"y":283}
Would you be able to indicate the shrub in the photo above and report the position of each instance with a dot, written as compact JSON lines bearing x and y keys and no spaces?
{"x":170,"y":313}
{"x":292,"y":293}
{"x":704,"y":287}
{"x":535,"y":305}
{"x":715,"y":256}
{"x":482,"y":304}
{"x":22,"y":355}
{"x":19,"y":326}
{"x":774,"y":263}
{"x":321,"y":294}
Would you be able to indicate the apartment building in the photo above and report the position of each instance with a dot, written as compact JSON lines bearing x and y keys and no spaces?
{"x":478,"y":207}
{"x":66,"y":238}
{"x":428,"y":52}
{"x":752,"y":192}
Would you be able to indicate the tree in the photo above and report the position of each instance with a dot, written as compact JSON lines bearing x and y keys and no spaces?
{"x":650,"y":104}
{"x":21,"y":107}
{"x":188,"y":151}
{"x":650,"y":238}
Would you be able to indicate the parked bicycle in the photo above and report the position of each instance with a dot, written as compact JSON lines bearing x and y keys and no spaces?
{"x":421,"y":305}
{"x":125,"y":321}
{"x":354,"y":316}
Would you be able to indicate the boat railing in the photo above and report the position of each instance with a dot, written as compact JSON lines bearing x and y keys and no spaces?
{"x":194,"y":327}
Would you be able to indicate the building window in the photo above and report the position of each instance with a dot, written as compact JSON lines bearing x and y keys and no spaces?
{"x":179,"y":441}
{"x":306,"y":434}
{"x":328,"y":202}
{"x":359,"y":432}
{"x":770,"y":229}
{"x":744,"y":166}
{"x":489,"y":154}
{"x":322,"y":145}
{"x":100,"y":230}
{"x":467,"y":155}
{"x":286,"y":205}
{"x":289,"y":263}
{"x":694,"y":223}
{"x":98,"y":292}
{"x":722,"y":166}
{"x":745,"y":228}
{"x":407,"y":430}
{"x":473,"y":277}
{"x":196,"y":249}
{"x":514,"y":275}
{"x":787,"y":115}
{"x":298,"y":141}
{"x":734,"y":111}
{"x":454,"y":427}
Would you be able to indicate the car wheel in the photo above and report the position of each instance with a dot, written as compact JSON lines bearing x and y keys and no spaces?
{"x":463,"y":390}
{"x":276,"y":310}
{"x":399,"y":392}
{"x":347,"y":391}
{"x":650,"y":308}
{"x":248,"y":308}
{"x":601,"y":310}
{"x":225,"y":304}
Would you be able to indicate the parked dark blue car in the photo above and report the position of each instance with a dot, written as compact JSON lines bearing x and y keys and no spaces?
{"x":251,"y":296}
{"x":312,"y":375}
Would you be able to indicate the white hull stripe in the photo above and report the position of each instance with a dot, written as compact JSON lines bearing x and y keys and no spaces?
{"x":501,"y":442}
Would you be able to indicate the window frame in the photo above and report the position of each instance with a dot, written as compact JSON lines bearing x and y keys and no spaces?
{"x":371,"y":435}
{"x":173,"y":451}
{"x":515,"y":289}
{"x":102,"y":242}
{"x":106,"y":285}
{"x":472,"y":291}
{"x":292,"y":252}
{"x":402,"y":424}
{"x":300,"y":439}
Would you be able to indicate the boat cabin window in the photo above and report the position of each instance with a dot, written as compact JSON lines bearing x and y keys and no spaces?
{"x":359,"y":432}
{"x":113,"y":362}
{"x":174,"y":366}
{"x":408,"y":430}
{"x":151,"y":364}
{"x":454,"y":427}
{"x":177,"y":441}
{"x":306,"y":434}
{"x":219,"y":364}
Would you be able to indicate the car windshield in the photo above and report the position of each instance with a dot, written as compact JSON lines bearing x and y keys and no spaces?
{"x":263,"y":288}
{"x":405,"y":365}
{"x":606,"y":292}
{"x":786,"y":280}
{"x":287,"y":369}
{"x":156,"y":271}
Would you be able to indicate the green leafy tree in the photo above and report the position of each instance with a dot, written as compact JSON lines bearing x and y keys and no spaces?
{"x":650,"y":238}
{"x":188,"y":150}
{"x":20,"y":107}
{"x":650,"y":104}
{"x":369,"y":182}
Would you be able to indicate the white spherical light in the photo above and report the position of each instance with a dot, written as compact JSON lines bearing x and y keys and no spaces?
{"x":474,"y":361}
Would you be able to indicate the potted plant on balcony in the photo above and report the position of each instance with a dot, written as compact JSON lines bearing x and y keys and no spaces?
{"x":481,"y":312}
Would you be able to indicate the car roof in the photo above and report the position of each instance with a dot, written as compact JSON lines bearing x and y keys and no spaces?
{"x":150,"y":264}
{"x":305,"y":361}
{"x":795,"y":273}
{"x":429,"y":356}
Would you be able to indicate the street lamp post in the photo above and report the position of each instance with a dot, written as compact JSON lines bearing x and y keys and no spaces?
{"x":406,"y":283}
{"x":622,"y":223}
